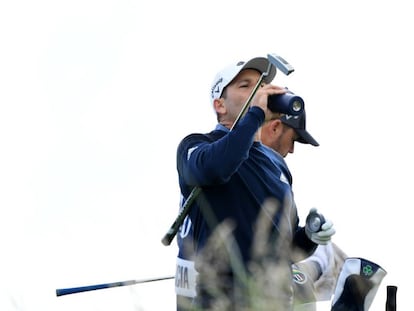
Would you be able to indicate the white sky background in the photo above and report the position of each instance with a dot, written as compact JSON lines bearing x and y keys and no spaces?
{"x":96,"y":95}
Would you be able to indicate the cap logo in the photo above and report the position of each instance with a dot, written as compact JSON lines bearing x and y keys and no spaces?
{"x":289,"y":116}
{"x":240,"y":63}
{"x":216,"y":88}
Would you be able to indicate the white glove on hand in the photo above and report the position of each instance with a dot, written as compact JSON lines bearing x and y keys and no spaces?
{"x":323,"y":236}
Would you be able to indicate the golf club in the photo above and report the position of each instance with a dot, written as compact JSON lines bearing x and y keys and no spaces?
{"x":74,"y":290}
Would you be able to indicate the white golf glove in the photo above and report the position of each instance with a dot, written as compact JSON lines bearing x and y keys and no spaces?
{"x":318,"y":229}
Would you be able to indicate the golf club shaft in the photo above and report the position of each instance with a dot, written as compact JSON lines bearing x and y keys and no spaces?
{"x":74,"y":290}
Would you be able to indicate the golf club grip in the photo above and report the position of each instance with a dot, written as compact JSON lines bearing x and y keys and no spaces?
{"x":169,"y":236}
{"x":74,"y":290}
{"x":391,"y":303}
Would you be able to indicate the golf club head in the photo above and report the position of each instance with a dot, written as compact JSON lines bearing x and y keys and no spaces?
{"x":280,"y":63}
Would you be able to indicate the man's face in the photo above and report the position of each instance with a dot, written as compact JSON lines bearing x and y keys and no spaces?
{"x":238,"y":91}
{"x":287,"y":141}
{"x":280,"y":137}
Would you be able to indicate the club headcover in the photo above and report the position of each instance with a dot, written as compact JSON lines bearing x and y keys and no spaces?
{"x":357,"y":285}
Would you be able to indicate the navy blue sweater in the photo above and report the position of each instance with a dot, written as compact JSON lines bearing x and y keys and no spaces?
{"x":237,"y":175}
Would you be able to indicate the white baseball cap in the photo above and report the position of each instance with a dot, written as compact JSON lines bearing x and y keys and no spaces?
{"x":226,"y":75}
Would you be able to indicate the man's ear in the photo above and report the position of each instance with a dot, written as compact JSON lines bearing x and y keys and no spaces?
{"x":219,"y":106}
{"x":270,"y":131}
{"x":276,"y":126}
